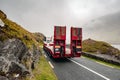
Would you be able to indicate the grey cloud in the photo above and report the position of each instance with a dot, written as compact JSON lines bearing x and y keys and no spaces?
{"x":105,"y":28}
{"x":42,"y":15}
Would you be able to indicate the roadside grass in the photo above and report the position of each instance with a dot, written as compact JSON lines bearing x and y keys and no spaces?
{"x":103,"y":63}
{"x":43,"y":71}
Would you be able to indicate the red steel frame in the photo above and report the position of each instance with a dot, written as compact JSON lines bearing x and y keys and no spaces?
{"x":61,"y":39}
{"x":75,"y":39}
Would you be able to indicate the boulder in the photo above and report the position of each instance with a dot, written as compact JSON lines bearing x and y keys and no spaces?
{"x":16,"y":59}
{"x":16,"y":68}
{"x":12,"y":52}
{"x":3,"y":78}
{"x":4,"y":66}
{"x":14,"y":47}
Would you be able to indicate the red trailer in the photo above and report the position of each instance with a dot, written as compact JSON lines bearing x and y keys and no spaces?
{"x":76,"y":42}
{"x":59,"y":41}
{"x":58,"y":49}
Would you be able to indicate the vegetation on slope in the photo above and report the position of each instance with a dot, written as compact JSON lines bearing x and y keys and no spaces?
{"x":39,"y":37}
{"x":101,"y":47}
{"x":13,"y":30}
{"x":2,"y":15}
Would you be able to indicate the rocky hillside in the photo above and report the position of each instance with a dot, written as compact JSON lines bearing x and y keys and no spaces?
{"x":19,"y":50}
{"x":39,"y":37}
{"x":100,"y":47}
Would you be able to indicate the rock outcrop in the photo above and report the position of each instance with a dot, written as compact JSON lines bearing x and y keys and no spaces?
{"x":39,"y":36}
{"x":2,"y":15}
{"x":19,"y":50}
{"x":16,"y":60}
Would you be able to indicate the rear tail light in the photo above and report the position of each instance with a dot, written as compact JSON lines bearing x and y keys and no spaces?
{"x":78,"y":46}
{"x":57,"y":49}
{"x":57,"y":46}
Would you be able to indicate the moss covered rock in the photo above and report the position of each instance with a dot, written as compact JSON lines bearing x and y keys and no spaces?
{"x":2,"y":15}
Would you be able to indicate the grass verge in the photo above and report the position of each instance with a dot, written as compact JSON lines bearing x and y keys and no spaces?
{"x":43,"y":71}
{"x":103,"y":63}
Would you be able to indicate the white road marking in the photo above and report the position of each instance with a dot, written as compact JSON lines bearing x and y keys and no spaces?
{"x":45,"y":56}
{"x":90,"y":70}
{"x":51,"y":64}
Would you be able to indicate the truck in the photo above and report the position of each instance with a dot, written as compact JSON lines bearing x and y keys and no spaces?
{"x":59,"y":49}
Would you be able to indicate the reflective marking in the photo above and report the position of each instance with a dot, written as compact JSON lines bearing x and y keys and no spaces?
{"x":51,"y":64}
{"x":90,"y":69}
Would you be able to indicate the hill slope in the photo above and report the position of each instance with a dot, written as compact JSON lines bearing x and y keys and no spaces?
{"x":20,"y":53}
{"x":39,"y":37}
{"x":13,"y":30}
{"x":100,"y":47}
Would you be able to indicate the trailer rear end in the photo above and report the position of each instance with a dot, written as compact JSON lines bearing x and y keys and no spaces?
{"x":76,"y":42}
{"x":59,"y":49}
{"x":59,"y":41}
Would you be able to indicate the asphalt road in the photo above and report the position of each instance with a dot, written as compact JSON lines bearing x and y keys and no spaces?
{"x":82,"y":69}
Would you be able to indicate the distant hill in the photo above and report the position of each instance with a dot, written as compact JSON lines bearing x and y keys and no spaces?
{"x":105,"y":28}
{"x":99,"y":47}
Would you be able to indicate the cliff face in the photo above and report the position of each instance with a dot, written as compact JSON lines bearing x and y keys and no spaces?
{"x":19,"y":50}
{"x":100,"y":47}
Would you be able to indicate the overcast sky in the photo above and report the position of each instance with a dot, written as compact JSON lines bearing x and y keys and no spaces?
{"x":42,"y":15}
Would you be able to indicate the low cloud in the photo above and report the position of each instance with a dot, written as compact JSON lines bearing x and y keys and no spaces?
{"x":42,"y":15}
